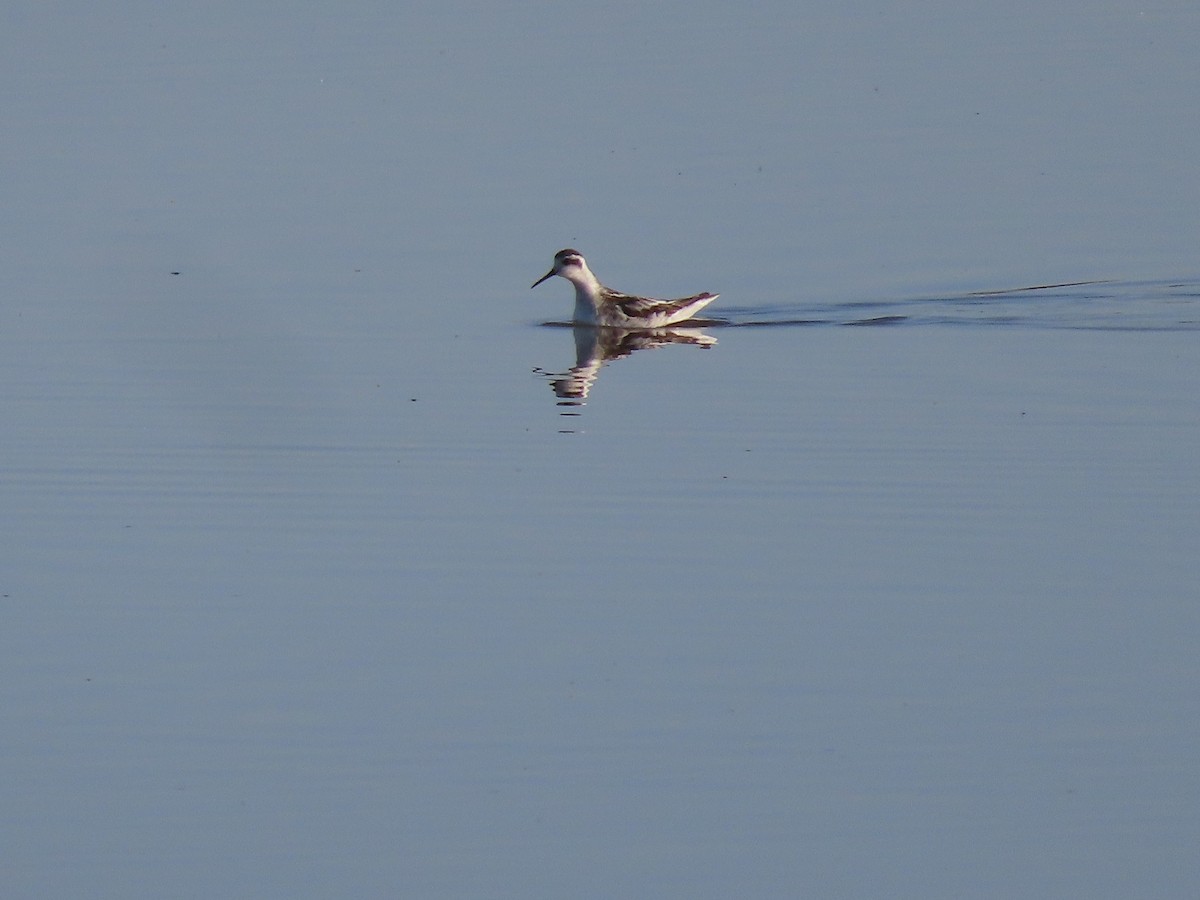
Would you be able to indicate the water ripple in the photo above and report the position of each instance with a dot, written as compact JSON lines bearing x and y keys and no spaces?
{"x":1088,"y":305}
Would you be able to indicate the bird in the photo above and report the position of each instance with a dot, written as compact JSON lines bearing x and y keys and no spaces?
{"x":601,"y":306}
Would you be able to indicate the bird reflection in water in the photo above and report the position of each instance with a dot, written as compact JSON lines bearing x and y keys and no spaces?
{"x":596,"y":346}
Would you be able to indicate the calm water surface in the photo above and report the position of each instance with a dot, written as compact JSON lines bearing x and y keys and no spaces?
{"x":330,"y":568}
{"x":849,"y":607}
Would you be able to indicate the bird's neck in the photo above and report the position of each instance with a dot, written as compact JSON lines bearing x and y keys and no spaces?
{"x":586,"y":283}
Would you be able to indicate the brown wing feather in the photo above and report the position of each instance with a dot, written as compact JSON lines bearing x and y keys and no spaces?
{"x":640,"y":307}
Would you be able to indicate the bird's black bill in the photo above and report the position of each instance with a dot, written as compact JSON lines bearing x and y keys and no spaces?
{"x":549,"y":274}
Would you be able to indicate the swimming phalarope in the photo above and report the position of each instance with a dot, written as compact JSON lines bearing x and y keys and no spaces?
{"x":597,"y":305}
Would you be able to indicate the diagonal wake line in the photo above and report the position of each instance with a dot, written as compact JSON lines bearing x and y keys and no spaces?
{"x":1039,"y":287}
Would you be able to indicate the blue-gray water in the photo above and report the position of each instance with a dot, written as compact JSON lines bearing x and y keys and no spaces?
{"x":313,"y":586}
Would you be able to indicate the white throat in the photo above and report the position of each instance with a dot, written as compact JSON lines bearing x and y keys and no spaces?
{"x":588,"y":291}
{"x":583,"y":279}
